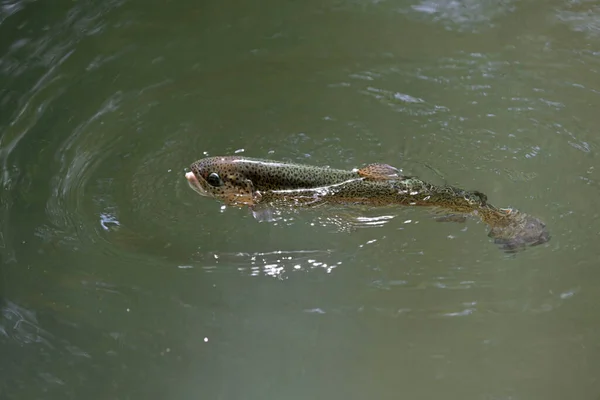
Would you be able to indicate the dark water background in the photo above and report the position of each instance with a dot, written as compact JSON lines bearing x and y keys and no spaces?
{"x":119,"y":282}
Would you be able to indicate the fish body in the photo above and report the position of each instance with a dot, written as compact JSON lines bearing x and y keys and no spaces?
{"x":269,"y":175}
{"x":249,"y":181}
{"x":256,"y":182}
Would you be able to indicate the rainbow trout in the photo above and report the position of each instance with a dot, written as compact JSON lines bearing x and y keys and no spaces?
{"x":243,"y":181}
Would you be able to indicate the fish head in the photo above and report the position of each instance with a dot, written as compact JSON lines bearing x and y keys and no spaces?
{"x":222,"y":179}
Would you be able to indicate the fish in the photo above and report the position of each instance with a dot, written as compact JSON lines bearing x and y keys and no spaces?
{"x":262,"y":184}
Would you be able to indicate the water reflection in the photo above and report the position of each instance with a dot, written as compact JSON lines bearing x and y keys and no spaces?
{"x":277,"y":264}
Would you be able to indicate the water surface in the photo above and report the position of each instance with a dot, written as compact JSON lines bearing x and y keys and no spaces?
{"x":118,"y":281}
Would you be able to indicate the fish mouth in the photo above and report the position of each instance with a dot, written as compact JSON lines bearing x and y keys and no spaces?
{"x":195,"y":184}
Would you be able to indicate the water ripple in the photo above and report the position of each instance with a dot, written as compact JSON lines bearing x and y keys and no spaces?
{"x":78,"y":156}
{"x":462,"y":15}
{"x":405,"y":103}
{"x":38,"y":61}
{"x":581,"y":16}
{"x":9,"y":8}
{"x":21,"y":325}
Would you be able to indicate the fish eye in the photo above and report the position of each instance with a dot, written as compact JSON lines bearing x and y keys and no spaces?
{"x":213,"y":179}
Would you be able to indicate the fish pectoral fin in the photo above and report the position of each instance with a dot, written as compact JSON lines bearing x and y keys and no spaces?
{"x":256,"y":196}
{"x":263,"y":213}
{"x":380,"y":172}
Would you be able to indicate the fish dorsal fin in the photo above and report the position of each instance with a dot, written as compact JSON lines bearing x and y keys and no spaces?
{"x":380,"y":172}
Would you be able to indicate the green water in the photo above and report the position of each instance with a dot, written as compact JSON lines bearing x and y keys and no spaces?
{"x":119,"y":282}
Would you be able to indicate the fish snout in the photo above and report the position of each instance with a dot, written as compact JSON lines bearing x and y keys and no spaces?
{"x":195,"y":183}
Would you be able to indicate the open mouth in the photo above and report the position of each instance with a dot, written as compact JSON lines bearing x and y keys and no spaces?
{"x":195,"y":184}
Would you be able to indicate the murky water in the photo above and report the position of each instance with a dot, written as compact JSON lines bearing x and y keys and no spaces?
{"x":119,"y":282}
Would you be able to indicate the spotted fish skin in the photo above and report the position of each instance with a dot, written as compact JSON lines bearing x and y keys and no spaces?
{"x":271,"y":175}
{"x":251,"y":181}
